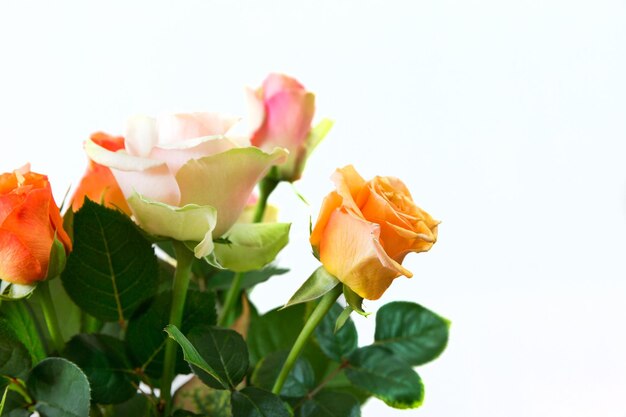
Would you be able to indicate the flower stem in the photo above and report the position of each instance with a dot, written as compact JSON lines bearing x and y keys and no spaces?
{"x":266,"y":186}
{"x":184,"y":260}
{"x":50,"y":316}
{"x":18,"y":386}
{"x":324,"y":306}
{"x":231,"y":298}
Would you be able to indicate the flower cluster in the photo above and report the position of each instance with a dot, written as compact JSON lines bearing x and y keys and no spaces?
{"x":165,"y":230}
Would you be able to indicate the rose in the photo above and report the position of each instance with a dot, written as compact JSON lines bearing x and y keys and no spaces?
{"x":281,"y":112}
{"x":183,"y":178}
{"x":29,"y":222}
{"x":366,"y":228}
{"x":98,"y":183}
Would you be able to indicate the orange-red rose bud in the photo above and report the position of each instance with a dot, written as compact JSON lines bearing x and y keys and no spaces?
{"x":29,"y":220}
{"x":366,"y":228}
{"x":98,"y":183}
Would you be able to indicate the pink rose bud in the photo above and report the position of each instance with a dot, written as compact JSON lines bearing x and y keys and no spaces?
{"x":281,"y":114}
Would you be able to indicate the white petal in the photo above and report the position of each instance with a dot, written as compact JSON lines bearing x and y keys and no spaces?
{"x":141,"y":135}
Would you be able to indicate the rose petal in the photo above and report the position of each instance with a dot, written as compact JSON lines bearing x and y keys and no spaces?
{"x":350,"y":250}
{"x":288,"y":119}
{"x":17,"y":263}
{"x":275,"y":83}
{"x":225,"y":181}
{"x":348,"y":182}
{"x":141,"y":135}
{"x":99,"y":185}
{"x":8,"y":203}
{"x":148,"y":177}
{"x":188,"y":223}
{"x":181,"y":126}
{"x":330,"y":203}
{"x":176,"y":157}
{"x":30,"y":223}
{"x":256,"y":110}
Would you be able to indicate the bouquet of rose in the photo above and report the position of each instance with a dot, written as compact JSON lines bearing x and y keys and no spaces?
{"x":146,"y":276}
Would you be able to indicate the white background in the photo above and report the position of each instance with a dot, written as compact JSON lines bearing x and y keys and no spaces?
{"x":506,"y":119}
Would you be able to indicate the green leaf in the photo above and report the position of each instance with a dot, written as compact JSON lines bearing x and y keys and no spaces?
{"x":112,"y":268}
{"x":139,"y":405}
{"x":331,"y":404}
{"x":253,"y":245}
{"x":18,"y":317}
{"x":319,"y":283}
{"x":277,"y":330}
{"x":223,"y":279}
{"x":145,"y":336}
{"x":103,"y":359}
{"x":377,"y":371}
{"x":60,"y":388}
{"x":299,"y":382}
{"x":193,"y":357}
{"x":185,"y":413}
{"x":336,"y":345}
{"x":15,"y":360}
{"x":254,"y":402}
{"x":226,"y":353}
{"x":199,"y":398}
{"x":341,"y":383}
{"x":412,"y":332}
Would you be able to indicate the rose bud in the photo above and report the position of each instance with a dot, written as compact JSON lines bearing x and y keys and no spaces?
{"x":281,"y":112}
{"x":29,"y":222}
{"x":366,"y":228}
{"x":98,"y":183}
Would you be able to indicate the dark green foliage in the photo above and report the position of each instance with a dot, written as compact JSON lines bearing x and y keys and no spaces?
{"x":112,"y":268}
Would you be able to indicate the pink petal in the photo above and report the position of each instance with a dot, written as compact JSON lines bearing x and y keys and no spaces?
{"x":177,"y":127}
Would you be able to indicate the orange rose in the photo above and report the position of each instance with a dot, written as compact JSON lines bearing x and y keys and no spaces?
{"x":29,"y":220}
{"x":98,"y":182}
{"x":366,"y":228}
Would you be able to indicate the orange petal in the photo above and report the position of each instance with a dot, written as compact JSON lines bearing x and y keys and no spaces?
{"x":351,"y":251}
{"x":17,"y":263}
{"x":30,"y":222}
{"x":331,"y":202}
{"x":348,"y":183}
{"x":99,"y":185}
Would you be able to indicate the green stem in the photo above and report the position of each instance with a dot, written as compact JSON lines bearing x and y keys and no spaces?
{"x":90,"y":324}
{"x":266,"y":186}
{"x":182,"y":276}
{"x":18,"y":386}
{"x":50,"y":316}
{"x":231,"y":298}
{"x":324,"y":306}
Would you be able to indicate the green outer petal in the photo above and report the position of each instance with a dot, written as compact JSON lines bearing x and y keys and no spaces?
{"x":252,"y":246}
{"x":225,"y":181}
{"x":190,"y":222}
